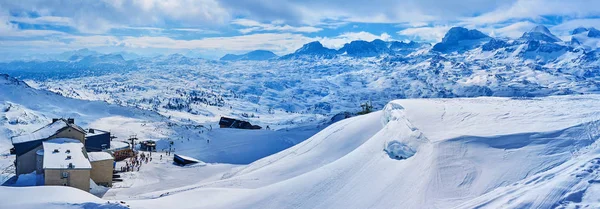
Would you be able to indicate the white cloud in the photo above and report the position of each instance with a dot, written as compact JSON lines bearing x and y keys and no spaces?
{"x":514,"y":30}
{"x":536,"y":9}
{"x":102,"y":15}
{"x":312,"y":12}
{"x":8,"y":29}
{"x":278,"y":42}
{"x":44,"y":20}
{"x":425,"y":20}
{"x":339,"y":41}
{"x":252,"y":26}
{"x":429,"y":34}
{"x":156,"y":29}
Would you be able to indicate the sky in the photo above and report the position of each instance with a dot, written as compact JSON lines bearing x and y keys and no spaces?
{"x":212,"y":28}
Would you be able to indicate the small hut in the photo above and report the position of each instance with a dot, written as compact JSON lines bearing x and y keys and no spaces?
{"x":184,"y":160}
{"x":226,"y":122}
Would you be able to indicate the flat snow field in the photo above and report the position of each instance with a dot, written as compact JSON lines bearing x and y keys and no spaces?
{"x":415,"y":153}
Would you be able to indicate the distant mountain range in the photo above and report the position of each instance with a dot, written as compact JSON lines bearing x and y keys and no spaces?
{"x":457,"y":39}
{"x":253,"y":55}
{"x":537,"y":47}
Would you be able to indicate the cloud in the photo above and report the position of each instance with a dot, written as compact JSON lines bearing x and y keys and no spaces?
{"x":278,"y":25}
{"x":11,"y":30}
{"x":44,"y":20}
{"x":278,"y":42}
{"x":339,"y":41}
{"x":102,"y":15}
{"x":513,"y":30}
{"x":311,"y":12}
{"x":537,"y":9}
{"x":252,"y":26}
{"x":161,"y":30}
{"x":428,"y":34}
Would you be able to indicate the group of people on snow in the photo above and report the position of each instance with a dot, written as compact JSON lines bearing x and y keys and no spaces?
{"x":135,"y":163}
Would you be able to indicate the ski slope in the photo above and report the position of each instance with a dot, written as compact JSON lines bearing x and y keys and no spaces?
{"x":468,"y":153}
{"x":24,"y":109}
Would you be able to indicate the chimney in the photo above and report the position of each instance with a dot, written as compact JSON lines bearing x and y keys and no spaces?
{"x":91,"y":131}
{"x":70,"y":120}
{"x":54,"y":120}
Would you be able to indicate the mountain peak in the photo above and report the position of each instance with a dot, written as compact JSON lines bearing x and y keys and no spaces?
{"x":593,"y":33}
{"x":311,"y":46}
{"x":540,"y":33}
{"x":315,"y":48}
{"x":456,"y":34}
{"x":459,"y":38}
{"x":361,"y":48}
{"x":541,"y":29}
{"x":579,"y":30}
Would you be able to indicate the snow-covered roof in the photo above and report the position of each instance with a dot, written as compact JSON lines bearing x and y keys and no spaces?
{"x":45,"y":132}
{"x":95,"y":132}
{"x":188,"y":158}
{"x":99,"y":156}
{"x":61,"y":152}
{"x":117,"y":145}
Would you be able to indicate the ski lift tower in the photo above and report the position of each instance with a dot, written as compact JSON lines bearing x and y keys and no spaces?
{"x":133,"y":138}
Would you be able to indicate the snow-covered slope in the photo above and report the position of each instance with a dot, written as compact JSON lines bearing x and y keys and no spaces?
{"x":415,"y":153}
{"x":24,"y":109}
{"x":468,"y":153}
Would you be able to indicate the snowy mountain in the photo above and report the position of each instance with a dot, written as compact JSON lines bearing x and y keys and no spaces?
{"x":540,"y":33}
{"x":365,"y":49}
{"x":460,"y":39}
{"x":311,"y":50}
{"x":253,"y":55}
{"x":586,"y":37}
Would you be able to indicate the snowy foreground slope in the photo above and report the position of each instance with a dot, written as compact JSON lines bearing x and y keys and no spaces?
{"x":415,"y":153}
{"x":489,"y":152}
